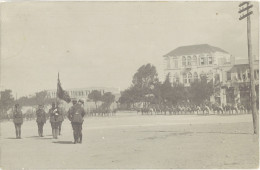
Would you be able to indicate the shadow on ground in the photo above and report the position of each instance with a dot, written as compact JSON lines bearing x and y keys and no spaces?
{"x":63,"y":142}
{"x":11,"y":138}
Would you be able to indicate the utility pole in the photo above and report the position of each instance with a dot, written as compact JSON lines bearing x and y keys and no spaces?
{"x":244,"y":7}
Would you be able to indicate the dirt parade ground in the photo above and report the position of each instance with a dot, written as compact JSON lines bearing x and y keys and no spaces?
{"x":129,"y":140}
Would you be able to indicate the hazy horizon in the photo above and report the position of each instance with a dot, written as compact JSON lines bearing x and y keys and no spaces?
{"x":104,"y":43}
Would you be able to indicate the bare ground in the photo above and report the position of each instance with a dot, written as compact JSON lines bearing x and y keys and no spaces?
{"x":129,"y":140}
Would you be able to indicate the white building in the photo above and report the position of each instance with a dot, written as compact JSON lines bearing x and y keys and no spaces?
{"x":82,"y":93}
{"x":187,"y":63}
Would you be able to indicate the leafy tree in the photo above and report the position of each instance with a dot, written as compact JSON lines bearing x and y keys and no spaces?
{"x":179,"y":93}
{"x":166,"y":90}
{"x":108,"y":98}
{"x":145,"y":77}
{"x":96,"y":96}
{"x":6,"y":101}
{"x":144,"y":82}
{"x":38,"y":98}
{"x":201,"y":90}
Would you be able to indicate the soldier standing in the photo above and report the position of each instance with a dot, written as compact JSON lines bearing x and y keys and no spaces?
{"x":75,"y":115}
{"x":41,"y":119}
{"x":18,"y":120}
{"x":60,"y":117}
{"x":54,"y":114}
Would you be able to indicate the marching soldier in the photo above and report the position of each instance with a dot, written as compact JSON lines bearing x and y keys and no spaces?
{"x":75,"y":115}
{"x":54,"y":114}
{"x":41,"y":119}
{"x":18,"y":120}
{"x":60,"y":117}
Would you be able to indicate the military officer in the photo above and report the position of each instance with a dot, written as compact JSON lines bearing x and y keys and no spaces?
{"x":18,"y":120}
{"x":41,"y":119}
{"x":60,"y":117}
{"x":75,"y":115}
{"x":54,"y":114}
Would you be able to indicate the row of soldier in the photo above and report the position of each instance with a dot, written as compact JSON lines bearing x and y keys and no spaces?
{"x":76,"y":114}
{"x":205,"y":108}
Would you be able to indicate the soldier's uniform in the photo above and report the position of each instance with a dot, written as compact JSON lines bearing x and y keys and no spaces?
{"x":75,"y":115}
{"x":60,"y":119}
{"x":41,"y":119}
{"x":54,"y":120}
{"x":18,"y":120}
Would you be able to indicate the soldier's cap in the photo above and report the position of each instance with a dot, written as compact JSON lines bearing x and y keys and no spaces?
{"x":81,"y":101}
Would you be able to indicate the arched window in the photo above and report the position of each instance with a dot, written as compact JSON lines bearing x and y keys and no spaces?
{"x":195,"y":76}
{"x":189,"y":78}
{"x":185,"y":80}
{"x":183,"y":61}
{"x":189,"y":60}
{"x":194,"y":60}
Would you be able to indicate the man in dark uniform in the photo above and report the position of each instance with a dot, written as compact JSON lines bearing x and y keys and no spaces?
{"x":18,"y":120}
{"x":41,"y":119}
{"x":54,"y":120}
{"x":75,"y":115}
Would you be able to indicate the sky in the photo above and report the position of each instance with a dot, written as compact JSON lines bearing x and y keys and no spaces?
{"x":104,"y":43}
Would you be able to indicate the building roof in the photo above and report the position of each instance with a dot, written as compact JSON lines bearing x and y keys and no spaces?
{"x":194,"y":49}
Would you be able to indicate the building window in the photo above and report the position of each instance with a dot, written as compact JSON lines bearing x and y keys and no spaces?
{"x":185,"y":81}
{"x":194,"y":60}
{"x":202,"y":60}
{"x":210,"y":60}
{"x":189,"y":78}
{"x":239,"y":76}
{"x":168,"y":63}
{"x":228,"y":75}
{"x":176,"y":63}
{"x":183,"y":61}
{"x":189,"y":60}
{"x":177,"y":79}
{"x":195,"y":76}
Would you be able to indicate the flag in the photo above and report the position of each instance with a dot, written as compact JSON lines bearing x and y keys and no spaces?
{"x":62,"y":94}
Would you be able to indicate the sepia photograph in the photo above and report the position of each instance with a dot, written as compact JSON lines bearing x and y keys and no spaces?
{"x":129,"y":85}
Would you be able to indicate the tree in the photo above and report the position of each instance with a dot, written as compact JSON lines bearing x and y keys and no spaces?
{"x":40,"y":97}
{"x":145,"y":77}
{"x":179,"y":93}
{"x":201,"y":90}
{"x":6,"y":101}
{"x":96,"y":96}
{"x":108,"y":98}
{"x":166,"y":90}
{"x":144,"y":81}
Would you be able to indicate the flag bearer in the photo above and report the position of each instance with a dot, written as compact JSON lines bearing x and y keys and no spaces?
{"x":54,"y":114}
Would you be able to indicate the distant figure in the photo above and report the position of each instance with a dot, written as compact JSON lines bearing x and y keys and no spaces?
{"x":18,"y":120}
{"x":54,"y":114}
{"x":41,"y":119}
{"x":75,"y":115}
